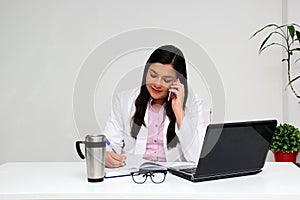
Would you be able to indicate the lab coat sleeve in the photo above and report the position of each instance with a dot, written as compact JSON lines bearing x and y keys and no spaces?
{"x":114,"y":127}
{"x":192,"y":131}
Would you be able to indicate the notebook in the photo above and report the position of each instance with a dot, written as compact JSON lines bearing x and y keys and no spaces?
{"x":134,"y":162}
{"x":230,"y":150}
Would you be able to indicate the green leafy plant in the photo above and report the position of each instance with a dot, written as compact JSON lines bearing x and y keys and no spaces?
{"x":286,"y":139}
{"x":290,"y":36}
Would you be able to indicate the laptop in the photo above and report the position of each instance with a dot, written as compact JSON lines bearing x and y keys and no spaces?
{"x":231,"y":150}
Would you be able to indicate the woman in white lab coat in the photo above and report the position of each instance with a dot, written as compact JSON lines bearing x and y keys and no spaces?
{"x":161,"y":120}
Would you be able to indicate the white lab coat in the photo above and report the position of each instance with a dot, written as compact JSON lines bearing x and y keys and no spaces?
{"x":190,"y":135}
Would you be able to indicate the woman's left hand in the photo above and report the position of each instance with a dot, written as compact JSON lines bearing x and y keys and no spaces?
{"x":177,"y":96}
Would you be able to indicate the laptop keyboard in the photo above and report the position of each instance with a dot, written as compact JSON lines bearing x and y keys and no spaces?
{"x":189,"y":170}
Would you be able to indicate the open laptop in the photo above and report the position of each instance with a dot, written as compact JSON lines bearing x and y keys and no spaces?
{"x":230,"y":150}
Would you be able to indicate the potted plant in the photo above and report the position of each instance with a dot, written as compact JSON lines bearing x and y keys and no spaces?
{"x":289,"y":40}
{"x":286,"y":140}
{"x":285,"y":143}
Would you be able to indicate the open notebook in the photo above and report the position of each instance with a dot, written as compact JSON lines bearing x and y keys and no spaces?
{"x":136,"y":162}
{"x":132,"y":164}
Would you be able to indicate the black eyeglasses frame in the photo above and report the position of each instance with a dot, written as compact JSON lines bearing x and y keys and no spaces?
{"x":150,"y":174}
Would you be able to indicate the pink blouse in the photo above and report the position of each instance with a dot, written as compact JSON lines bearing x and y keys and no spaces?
{"x":155,"y":146}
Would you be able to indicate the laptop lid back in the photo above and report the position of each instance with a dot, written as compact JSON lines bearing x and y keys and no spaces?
{"x":235,"y":147}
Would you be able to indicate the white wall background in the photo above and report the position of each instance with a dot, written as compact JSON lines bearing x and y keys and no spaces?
{"x":44,"y":43}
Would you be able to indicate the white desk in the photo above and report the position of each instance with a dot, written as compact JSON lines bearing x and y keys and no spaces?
{"x":68,"y":180}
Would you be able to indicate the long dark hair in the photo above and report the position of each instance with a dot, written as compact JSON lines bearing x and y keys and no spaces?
{"x":167,"y":54}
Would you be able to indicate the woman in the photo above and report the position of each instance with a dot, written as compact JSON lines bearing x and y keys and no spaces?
{"x":162,"y":120}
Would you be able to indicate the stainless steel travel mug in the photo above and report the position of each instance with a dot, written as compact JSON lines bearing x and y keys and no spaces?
{"x":95,"y":156}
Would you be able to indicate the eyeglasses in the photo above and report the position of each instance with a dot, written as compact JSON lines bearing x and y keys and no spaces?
{"x":157,"y":176}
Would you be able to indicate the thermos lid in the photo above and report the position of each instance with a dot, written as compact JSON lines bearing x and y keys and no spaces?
{"x":95,"y":138}
{"x":95,"y":141}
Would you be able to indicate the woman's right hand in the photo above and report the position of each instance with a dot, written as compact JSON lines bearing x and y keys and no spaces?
{"x":113,"y":160}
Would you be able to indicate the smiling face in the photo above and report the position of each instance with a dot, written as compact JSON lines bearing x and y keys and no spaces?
{"x":159,"y":79}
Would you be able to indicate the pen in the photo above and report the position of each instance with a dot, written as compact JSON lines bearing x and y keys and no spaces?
{"x":108,"y":143}
{"x":113,"y":149}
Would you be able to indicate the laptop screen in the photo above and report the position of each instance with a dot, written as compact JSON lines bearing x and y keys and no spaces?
{"x":235,"y":147}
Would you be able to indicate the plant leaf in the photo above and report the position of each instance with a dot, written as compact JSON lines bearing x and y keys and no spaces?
{"x":274,"y":43}
{"x":298,"y":35}
{"x":285,"y":137}
{"x":264,"y":42}
{"x":294,"y":24}
{"x":261,"y":48}
{"x":296,"y":49}
{"x":291,"y":29}
{"x":263,"y":28}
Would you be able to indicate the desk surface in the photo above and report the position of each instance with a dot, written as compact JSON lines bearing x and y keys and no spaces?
{"x":68,"y":180}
